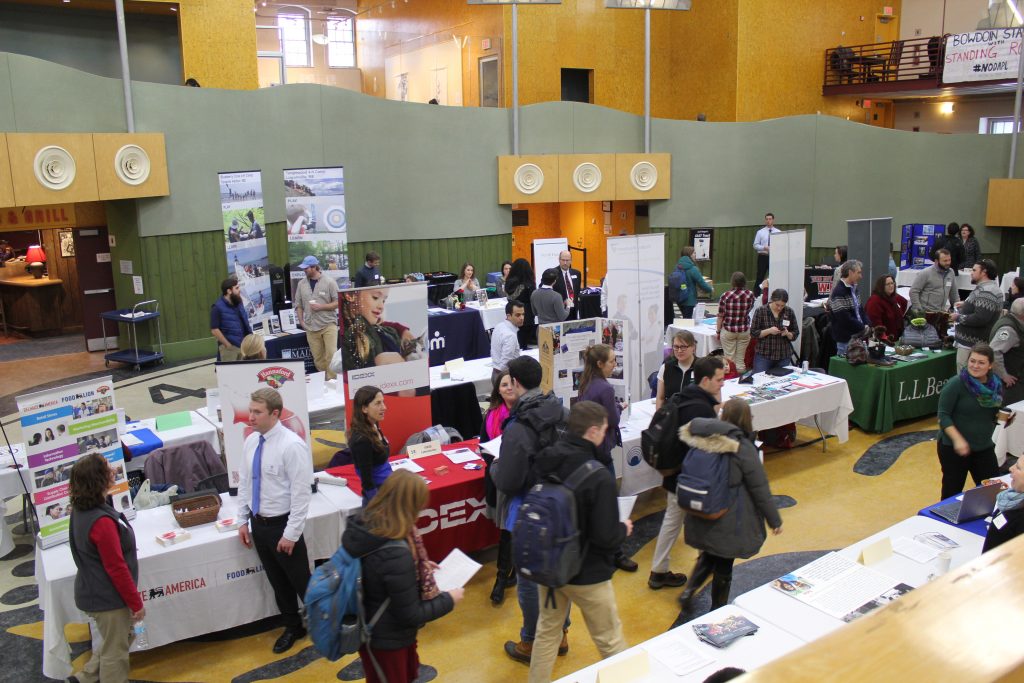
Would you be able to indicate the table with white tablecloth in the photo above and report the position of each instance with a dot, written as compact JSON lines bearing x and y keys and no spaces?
{"x":1010,"y":440}
{"x":198,"y":430}
{"x":906,"y":277}
{"x":207,"y":583}
{"x":825,"y":407}
{"x":1007,"y":280}
{"x":14,"y":481}
{"x":492,"y":313}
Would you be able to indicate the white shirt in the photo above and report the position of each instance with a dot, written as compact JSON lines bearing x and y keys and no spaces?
{"x":762,"y":239}
{"x":286,"y":475}
{"x":504,"y":344}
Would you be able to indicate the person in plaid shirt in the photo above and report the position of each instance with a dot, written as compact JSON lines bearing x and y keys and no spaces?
{"x":734,"y":320}
{"x":775,"y":327}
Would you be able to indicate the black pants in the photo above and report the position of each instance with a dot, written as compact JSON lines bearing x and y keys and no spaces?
{"x":685,"y":311}
{"x":288,"y":574}
{"x":720,"y":566}
{"x":981,"y":465}
{"x":762,"y":272}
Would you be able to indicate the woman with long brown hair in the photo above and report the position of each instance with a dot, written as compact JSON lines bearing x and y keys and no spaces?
{"x":369,"y":448}
{"x":503,"y":397}
{"x":383,"y":537}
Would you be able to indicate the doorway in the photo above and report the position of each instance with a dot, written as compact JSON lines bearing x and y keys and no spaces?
{"x":95,"y":285}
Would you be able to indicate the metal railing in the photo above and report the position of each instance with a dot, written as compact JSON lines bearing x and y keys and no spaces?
{"x":915,"y":59}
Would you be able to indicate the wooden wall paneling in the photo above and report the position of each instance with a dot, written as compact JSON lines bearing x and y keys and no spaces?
{"x":624,"y":188}
{"x":110,"y":185}
{"x":22,"y":149}
{"x":1008,"y":257}
{"x":6,"y":184}
{"x":66,"y":270}
{"x":1005,"y":202}
{"x":507,"y":191}
{"x":190,"y":279}
{"x":567,"y":165}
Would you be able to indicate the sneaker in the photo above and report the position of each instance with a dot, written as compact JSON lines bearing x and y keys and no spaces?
{"x":658,"y":580}
{"x":520,"y":651}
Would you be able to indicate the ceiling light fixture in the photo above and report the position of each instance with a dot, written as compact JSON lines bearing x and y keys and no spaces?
{"x":946,"y":108}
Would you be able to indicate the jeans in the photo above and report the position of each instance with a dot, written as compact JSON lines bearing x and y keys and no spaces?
{"x":761,"y":363}
{"x":530,"y":595}
{"x":841,"y":348}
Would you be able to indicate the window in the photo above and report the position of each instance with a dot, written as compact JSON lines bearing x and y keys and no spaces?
{"x":1000,"y":125}
{"x":295,"y":39}
{"x":341,"y":45}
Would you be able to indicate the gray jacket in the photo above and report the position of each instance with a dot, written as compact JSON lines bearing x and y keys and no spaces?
{"x":548,"y":306}
{"x":741,"y":531}
{"x":978,"y":314}
{"x":934,"y":290}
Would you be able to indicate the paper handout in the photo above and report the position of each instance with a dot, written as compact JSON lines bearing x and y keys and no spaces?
{"x":626,"y":504}
{"x":455,"y":571}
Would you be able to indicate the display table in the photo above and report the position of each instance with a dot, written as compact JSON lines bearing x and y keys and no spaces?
{"x":146,"y":431}
{"x":456,"y":334}
{"x":456,"y":515}
{"x":329,"y":406}
{"x":906,"y":277}
{"x":978,"y":526}
{"x":808,"y":623}
{"x":826,"y":407}
{"x":1010,"y":440}
{"x":208,"y":583}
{"x":290,"y":346}
{"x":491,"y":314}
{"x":14,"y":482}
{"x":883,"y":396}
{"x":705,"y":335}
{"x":770,"y":642}
{"x":32,"y":304}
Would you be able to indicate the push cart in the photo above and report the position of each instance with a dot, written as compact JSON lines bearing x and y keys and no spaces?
{"x":133,"y":317}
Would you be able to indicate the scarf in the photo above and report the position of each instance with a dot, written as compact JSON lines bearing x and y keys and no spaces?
{"x":424,"y":570}
{"x":1009,"y":499}
{"x":989,"y":394}
{"x":495,"y":418}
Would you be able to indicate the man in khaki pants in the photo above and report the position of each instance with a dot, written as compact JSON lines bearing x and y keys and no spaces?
{"x":316,"y":309}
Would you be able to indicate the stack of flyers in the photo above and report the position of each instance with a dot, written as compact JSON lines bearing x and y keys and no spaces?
{"x":937,"y":540}
{"x":229,"y":524}
{"x":173,"y":536}
{"x":720,"y":634}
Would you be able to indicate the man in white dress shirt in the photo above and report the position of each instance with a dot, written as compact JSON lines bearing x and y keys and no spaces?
{"x":762,"y":245}
{"x":505,"y":339}
{"x":273,"y":496}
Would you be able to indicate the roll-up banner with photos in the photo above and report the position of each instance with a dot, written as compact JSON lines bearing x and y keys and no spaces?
{"x":383,"y":334}
{"x":236,"y":382}
{"x":636,"y":293}
{"x":60,"y":426}
{"x":314,"y":202}
{"x":245,"y":240}
{"x":562,"y":347}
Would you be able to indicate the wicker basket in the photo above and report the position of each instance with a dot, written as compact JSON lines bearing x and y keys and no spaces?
{"x":195,"y":511}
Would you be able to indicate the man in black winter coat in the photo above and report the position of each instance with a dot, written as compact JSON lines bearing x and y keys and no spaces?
{"x":601,"y":532}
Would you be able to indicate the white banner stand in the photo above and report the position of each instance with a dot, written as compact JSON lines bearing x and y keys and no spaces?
{"x":786,"y":271}
{"x":545,"y":255}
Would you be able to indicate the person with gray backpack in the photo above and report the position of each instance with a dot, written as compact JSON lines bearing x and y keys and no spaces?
{"x":728,"y":522}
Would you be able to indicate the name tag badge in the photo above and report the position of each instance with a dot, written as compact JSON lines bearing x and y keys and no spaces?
{"x":271,"y":469}
{"x":785,"y":323}
{"x":999,"y":521}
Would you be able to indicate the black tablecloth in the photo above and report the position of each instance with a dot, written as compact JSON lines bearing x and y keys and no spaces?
{"x":457,"y":334}
{"x":291,"y":346}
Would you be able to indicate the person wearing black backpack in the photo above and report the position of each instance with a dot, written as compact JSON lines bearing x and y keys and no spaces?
{"x":536,"y":421}
{"x":698,"y":399}
{"x":601,"y":535}
{"x":740,"y":532}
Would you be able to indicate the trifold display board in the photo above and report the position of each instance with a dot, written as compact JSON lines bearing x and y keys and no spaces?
{"x":868,"y":240}
{"x":60,"y":426}
{"x":545,"y":254}
{"x":236,"y":382}
{"x":786,"y":271}
{"x":636,"y":293}
{"x":562,"y":348}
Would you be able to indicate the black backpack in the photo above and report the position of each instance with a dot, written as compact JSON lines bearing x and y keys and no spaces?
{"x":659,"y":443}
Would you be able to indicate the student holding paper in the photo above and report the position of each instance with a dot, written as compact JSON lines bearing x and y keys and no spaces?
{"x":390,"y":575}
{"x":739,"y":532}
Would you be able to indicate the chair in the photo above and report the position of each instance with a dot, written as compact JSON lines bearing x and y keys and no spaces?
{"x":891,"y":67}
{"x":840,"y":63}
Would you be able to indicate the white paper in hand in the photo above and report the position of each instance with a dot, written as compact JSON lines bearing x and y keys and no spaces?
{"x":455,"y":571}
{"x":626,"y":504}
{"x":493,"y":446}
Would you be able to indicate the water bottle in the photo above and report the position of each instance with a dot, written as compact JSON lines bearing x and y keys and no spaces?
{"x":141,"y":639}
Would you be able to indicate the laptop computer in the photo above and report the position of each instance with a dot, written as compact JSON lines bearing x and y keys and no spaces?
{"x":977,"y":503}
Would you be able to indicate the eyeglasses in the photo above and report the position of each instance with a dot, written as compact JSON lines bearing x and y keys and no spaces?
{"x":680,"y":347}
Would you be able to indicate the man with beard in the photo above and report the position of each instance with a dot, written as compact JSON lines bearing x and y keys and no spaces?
{"x":229,"y":323}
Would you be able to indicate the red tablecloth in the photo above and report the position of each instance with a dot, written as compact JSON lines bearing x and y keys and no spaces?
{"x":455,"y":516}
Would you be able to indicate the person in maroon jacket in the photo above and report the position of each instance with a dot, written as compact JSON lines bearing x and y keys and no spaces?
{"x":103,"y":548}
{"x":886,"y":308}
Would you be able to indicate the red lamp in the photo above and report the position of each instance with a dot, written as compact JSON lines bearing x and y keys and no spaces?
{"x":35,"y":258}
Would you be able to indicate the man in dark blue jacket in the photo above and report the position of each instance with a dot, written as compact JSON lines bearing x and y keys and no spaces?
{"x":601,"y":532}
{"x":369,"y":274}
{"x":229,"y":323}
{"x":845,"y":314}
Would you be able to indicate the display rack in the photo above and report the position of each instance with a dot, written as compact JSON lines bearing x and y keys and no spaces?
{"x":134,"y":317}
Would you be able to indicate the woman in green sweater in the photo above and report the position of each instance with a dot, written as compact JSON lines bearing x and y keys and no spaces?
{"x":967,"y":415}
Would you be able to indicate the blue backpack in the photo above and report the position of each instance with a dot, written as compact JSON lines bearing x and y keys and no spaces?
{"x":702,"y":487}
{"x":546,"y":547}
{"x":677,"y":284}
{"x":334,"y":606}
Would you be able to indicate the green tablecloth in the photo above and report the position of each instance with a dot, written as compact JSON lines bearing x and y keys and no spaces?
{"x":883,"y":395}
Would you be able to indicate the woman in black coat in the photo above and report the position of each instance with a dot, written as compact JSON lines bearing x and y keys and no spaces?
{"x":519,"y":286}
{"x":390,"y":574}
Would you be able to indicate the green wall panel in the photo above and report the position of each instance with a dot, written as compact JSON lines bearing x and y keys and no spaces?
{"x":7,"y":120}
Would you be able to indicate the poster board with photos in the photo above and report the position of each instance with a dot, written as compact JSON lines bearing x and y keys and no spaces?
{"x":235,"y":383}
{"x":384,"y":345}
{"x":60,"y":426}
{"x":317,"y":221}
{"x":562,"y":347}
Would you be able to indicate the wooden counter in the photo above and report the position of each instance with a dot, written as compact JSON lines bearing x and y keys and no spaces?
{"x":30,"y":304}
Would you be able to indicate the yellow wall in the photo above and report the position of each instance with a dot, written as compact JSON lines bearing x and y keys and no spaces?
{"x":218,"y":43}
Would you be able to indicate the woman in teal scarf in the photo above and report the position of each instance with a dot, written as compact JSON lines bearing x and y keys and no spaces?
{"x":1008,"y":519}
{"x":967,"y":415}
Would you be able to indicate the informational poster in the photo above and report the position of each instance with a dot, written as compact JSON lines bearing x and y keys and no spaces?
{"x":701,"y":244}
{"x":236,"y":382}
{"x":61,"y":425}
{"x":245,"y":240}
{"x":636,"y":293}
{"x":545,"y":254}
{"x":984,"y":55}
{"x":383,"y":344}
{"x":317,"y":223}
{"x":562,"y":350}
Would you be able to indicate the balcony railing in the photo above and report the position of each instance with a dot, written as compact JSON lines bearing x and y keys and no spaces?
{"x":911,"y":64}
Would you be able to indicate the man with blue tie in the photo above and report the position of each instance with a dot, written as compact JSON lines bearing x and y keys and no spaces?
{"x":273,"y":496}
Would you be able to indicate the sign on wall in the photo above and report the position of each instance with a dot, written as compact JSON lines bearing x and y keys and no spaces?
{"x":317,"y":221}
{"x":986,"y":55}
{"x":60,"y":426}
{"x":701,"y":244}
{"x":245,"y":240}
